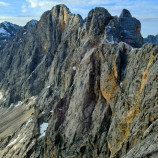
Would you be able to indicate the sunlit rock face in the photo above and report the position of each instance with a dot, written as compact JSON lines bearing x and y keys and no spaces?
{"x":79,"y":88}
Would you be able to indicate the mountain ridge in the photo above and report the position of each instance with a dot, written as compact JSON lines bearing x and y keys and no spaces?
{"x":70,"y":88}
{"x":151,"y":39}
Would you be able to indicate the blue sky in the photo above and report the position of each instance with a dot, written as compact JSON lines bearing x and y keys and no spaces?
{"x":21,"y":11}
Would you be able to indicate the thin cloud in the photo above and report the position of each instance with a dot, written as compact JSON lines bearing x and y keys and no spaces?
{"x":24,"y":8}
{"x":3,"y":3}
{"x":114,"y":6}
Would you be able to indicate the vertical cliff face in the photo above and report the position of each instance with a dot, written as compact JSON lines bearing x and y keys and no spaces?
{"x":78,"y":88}
{"x":130,"y":29}
{"x":124,"y":28}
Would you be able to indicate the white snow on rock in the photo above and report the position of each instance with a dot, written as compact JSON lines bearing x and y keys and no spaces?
{"x":108,"y":28}
{"x":121,"y":84}
{"x":33,"y":22}
{"x":33,"y":97}
{"x":48,"y":87}
{"x":13,"y":142}
{"x":22,"y":139}
{"x":1,"y":96}
{"x":43,"y":128}
{"x":74,"y":68}
{"x":29,"y":121}
{"x":19,"y":103}
{"x":6,"y":24}
{"x":42,"y":135}
{"x":2,"y":30}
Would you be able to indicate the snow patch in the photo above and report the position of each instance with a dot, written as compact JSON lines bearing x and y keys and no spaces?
{"x":29,"y":121}
{"x":48,"y":87}
{"x":1,"y":96}
{"x":2,"y":30}
{"x":13,"y":142}
{"x":11,"y":104}
{"x":19,"y":103}
{"x":33,"y":98}
{"x":6,"y":24}
{"x":43,"y":128}
{"x":42,"y":135}
{"x":121,"y":84}
{"x":22,"y":139}
{"x":33,"y":22}
{"x":74,"y":68}
{"x":108,"y":28}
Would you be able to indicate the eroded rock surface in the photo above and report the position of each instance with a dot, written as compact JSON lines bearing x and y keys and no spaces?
{"x":94,"y":96}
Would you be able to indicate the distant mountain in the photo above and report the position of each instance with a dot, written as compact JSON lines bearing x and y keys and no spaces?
{"x":7,"y":31}
{"x":151,"y":39}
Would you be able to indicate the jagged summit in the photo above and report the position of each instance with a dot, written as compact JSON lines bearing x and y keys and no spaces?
{"x":98,"y":22}
{"x":7,"y":31}
{"x":151,"y":39}
{"x":60,"y":8}
{"x":125,"y":14}
{"x":31,"y":24}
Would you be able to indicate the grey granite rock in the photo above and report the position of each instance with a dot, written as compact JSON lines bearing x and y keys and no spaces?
{"x":67,"y":91}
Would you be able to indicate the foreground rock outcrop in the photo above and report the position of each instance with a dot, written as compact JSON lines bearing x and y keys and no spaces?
{"x":78,"y":88}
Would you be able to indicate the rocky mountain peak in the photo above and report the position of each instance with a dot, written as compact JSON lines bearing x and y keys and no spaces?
{"x":74,"y":88}
{"x":125,"y":14}
{"x":60,"y":9}
{"x":7,"y":31}
{"x":130,"y":29}
{"x":96,"y":21}
{"x":30,"y":24}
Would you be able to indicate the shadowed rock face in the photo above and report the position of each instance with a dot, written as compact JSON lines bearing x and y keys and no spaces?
{"x":125,"y":28}
{"x":73,"y":89}
{"x":151,"y":39}
{"x":7,"y":31}
{"x":130,"y":29}
{"x":125,"y":14}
